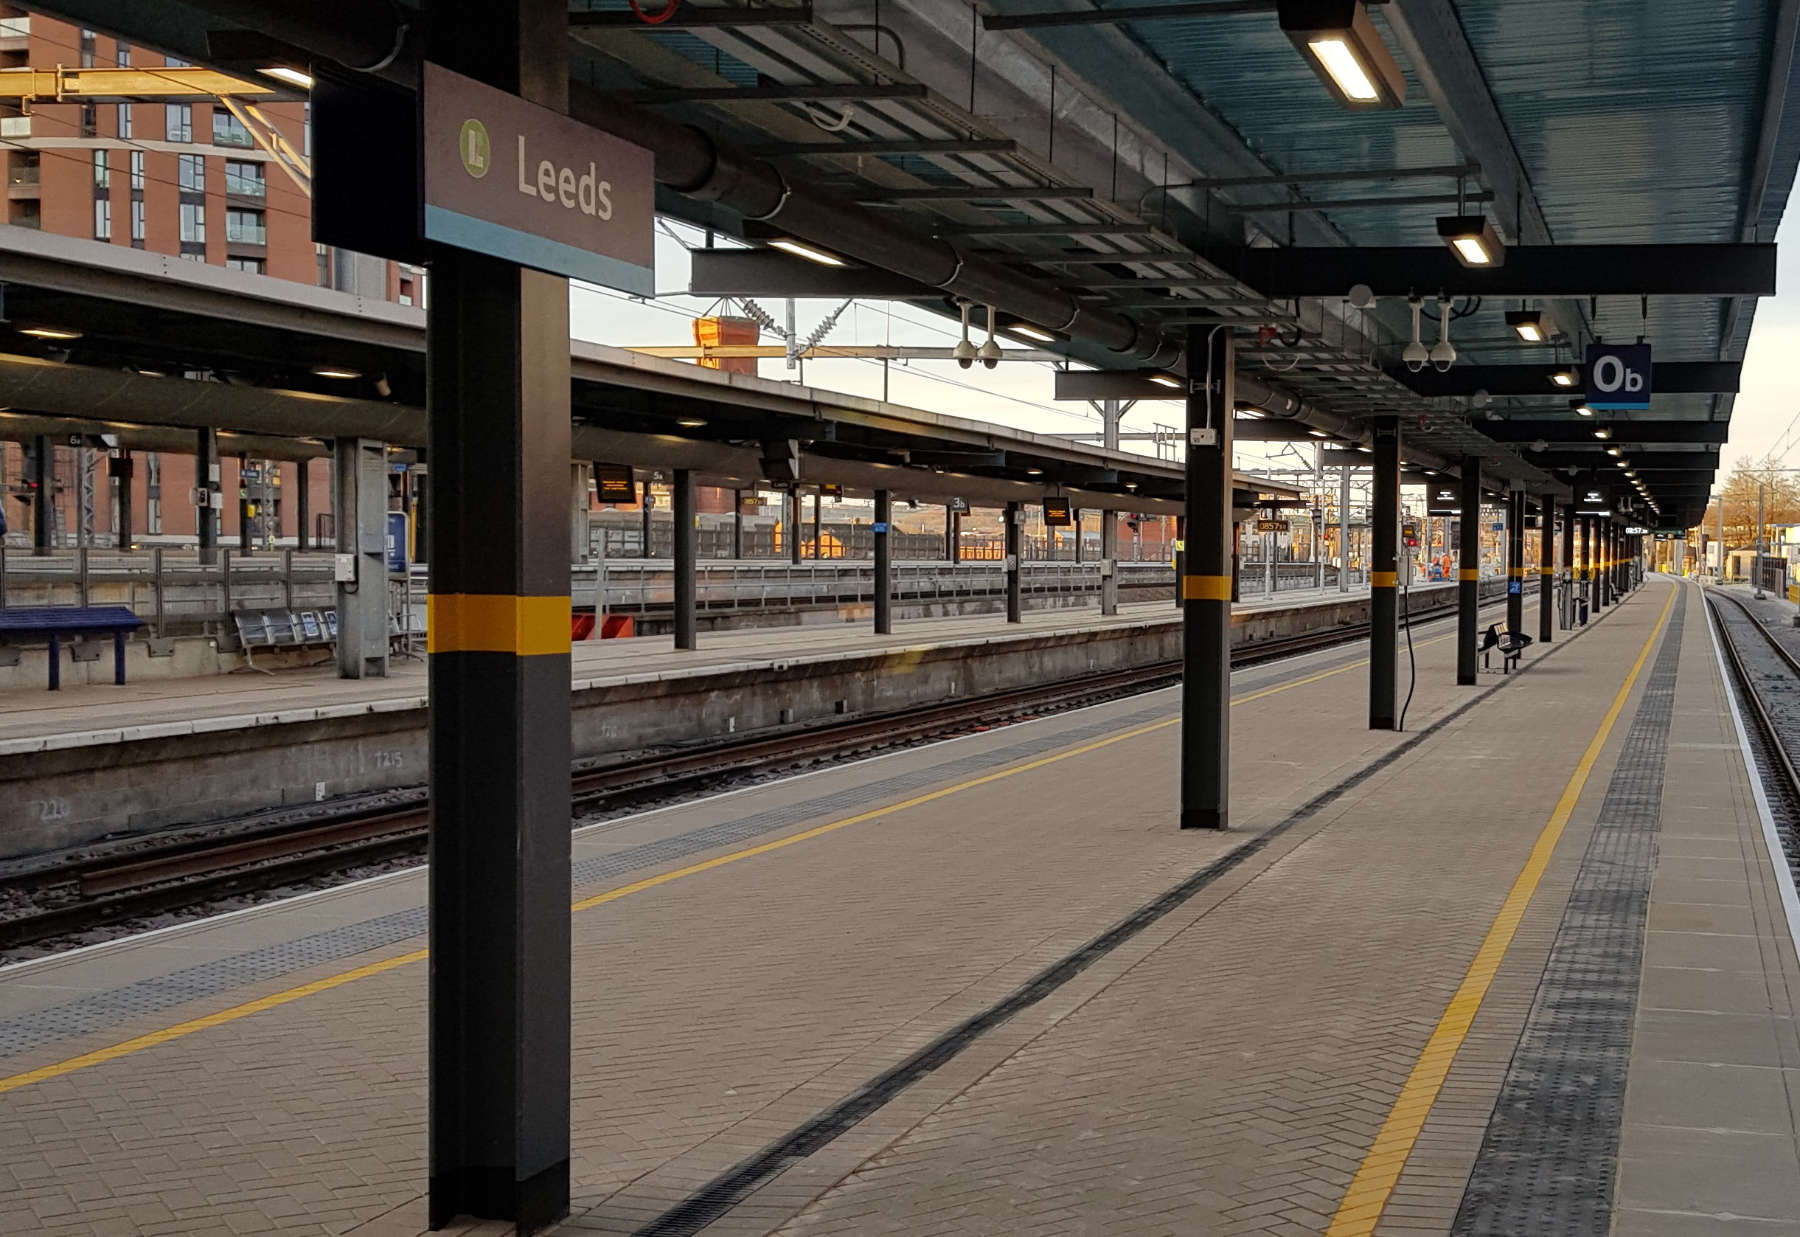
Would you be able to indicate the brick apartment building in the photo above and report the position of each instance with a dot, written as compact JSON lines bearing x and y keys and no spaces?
{"x":184,"y":179}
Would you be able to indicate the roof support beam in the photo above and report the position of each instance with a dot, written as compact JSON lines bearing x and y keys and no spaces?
{"x":1053,"y":228}
{"x":1618,"y":433}
{"x":854,"y":92}
{"x":765,"y":272}
{"x":1124,"y":13}
{"x":981,"y":193}
{"x":1318,"y":204}
{"x":1666,"y":378}
{"x":879,"y":146}
{"x":1328,"y":178}
{"x":688,"y":17}
{"x":1531,"y":270}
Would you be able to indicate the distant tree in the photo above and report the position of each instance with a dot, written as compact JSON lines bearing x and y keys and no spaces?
{"x":1780,"y":495}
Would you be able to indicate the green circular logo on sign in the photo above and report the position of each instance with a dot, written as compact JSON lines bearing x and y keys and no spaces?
{"x":472,"y":144}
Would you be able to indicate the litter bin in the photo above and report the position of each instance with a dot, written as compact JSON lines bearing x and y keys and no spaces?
{"x":1581,"y":608}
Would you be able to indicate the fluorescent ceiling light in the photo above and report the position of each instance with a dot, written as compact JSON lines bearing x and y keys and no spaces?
{"x":1565,"y":377}
{"x":1164,"y":380}
{"x":801,"y":249}
{"x":1613,"y":451}
{"x":293,"y":77}
{"x":1528,"y":324}
{"x":1343,"y":47}
{"x":335,"y":371}
{"x":1579,"y":405}
{"x":692,"y":423}
{"x":1031,"y":332}
{"x":58,"y":333}
{"x":1318,"y":433}
{"x":1472,"y":239}
{"x":1601,"y":431}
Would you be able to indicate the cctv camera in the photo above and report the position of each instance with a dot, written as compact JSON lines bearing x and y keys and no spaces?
{"x":1415,"y":356}
{"x":1443,"y":355}
{"x":989,"y":354}
{"x":964,"y":352}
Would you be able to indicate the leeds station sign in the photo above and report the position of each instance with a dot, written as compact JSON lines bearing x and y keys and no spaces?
{"x":494,"y":175}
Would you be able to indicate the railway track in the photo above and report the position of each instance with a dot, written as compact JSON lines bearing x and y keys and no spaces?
{"x":1768,"y":683}
{"x":244,"y":857}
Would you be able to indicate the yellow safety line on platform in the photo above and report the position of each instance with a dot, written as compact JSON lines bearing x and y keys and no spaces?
{"x":207,"y":1021}
{"x":1367,"y":1197}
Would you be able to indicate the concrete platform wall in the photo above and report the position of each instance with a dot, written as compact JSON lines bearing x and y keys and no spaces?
{"x":149,"y":777}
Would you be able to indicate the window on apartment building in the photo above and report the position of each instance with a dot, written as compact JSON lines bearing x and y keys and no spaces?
{"x":322,"y":254}
{"x":406,"y":290}
{"x":193,"y":223}
{"x":306,"y":131}
{"x":137,"y":169}
{"x":90,"y":120}
{"x":87,"y":48}
{"x":124,"y":56}
{"x":255,"y":266}
{"x":102,"y":219}
{"x":137,"y":222}
{"x":244,"y":178}
{"x":244,"y":227}
{"x":228,"y":130}
{"x":102,"y":173}
{"x":171,"y":62}
{"x":27,"y":213}
{"x":193,"y":173}
{"x":124,"y":120}
{"x":178,"y":122}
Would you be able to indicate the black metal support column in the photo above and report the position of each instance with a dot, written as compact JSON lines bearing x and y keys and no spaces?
{"x":1468,"y":570}
{"x":244,"y":543}
{"x":884,"y":567}
{"x":737,"y":524}
{"x":1584,"y":584}
{"x":1546,"y":567}
{"x":1606,"y":560}
{"x":818,"y":527}
{"x":793,"y":524}
{"x":121,"y":467}
{"x":420,"y":476}
{"x":498,"y":401}
{"x":956,"y":536}
{"x":1206,"y":584}
{"x":1515,"y":561}
{"x":207,"y":486}
{"x":1014,"y":536}
{"x":1384,"y":575}
{"x":682,"y":508}
{"x":1568,"y":559}
{"x":303,"y":509}
{"x":43,"y":494}
{"x":645,"y":509}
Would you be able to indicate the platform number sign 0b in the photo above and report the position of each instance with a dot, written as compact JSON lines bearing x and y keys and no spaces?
{"x":1618,"y":375}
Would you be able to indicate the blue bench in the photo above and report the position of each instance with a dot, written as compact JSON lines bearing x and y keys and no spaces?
{"x":55,"y":622}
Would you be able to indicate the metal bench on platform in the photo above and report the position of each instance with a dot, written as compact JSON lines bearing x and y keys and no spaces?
{"x":283,"y":629}
{"x":55,"y":622}
{"x":1508,"y":644}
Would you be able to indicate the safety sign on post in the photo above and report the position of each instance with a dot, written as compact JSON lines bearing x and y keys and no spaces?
{"x":1618,"y":375}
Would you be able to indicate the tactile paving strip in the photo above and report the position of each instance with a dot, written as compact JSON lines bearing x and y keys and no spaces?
{"x":99,"y":1011}
{"x":1550,"y":1155}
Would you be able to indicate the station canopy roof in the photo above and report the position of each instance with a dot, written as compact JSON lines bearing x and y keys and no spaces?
{"x":1112,"y":176}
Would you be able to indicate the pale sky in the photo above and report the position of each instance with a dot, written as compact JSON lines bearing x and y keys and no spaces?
{"x":1020,"y":393}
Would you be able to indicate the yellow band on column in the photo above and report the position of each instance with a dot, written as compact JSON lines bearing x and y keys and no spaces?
{"x":1546,"y":571}
{"x":1517,"y":573}
{"x":1468,"y":574}
{"x":1384,"y":579}
{"x":496,"y":623}
{"x":1206,"y":588}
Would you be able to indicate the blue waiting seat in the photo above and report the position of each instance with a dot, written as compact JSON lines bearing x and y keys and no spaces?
{"x":55,"y":622}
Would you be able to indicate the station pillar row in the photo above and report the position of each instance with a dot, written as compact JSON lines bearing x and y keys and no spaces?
{"x":359,"y":514}
{"x":208,"y":482}
{"x":1515,"y":560}
{"x":1206,"y":583}
{"x":1014,"y":542}
{"x":1109,"y":563}
{"x":498,"y":382}
{"x":682,"y":509}
{"x":1546,"y":566}
{"x":42,"y":495}
{"x":1568,"y":558}
{"x":1468,"y":571}
{"x":884,"y":566}
{"x":1384,"y":578}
